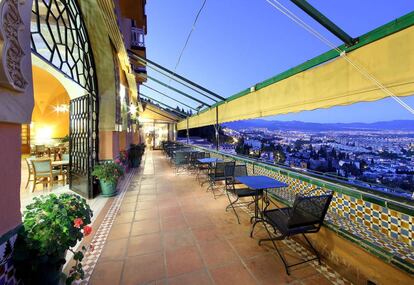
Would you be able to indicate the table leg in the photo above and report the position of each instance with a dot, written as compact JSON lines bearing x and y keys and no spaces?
{"x":258,"y":211}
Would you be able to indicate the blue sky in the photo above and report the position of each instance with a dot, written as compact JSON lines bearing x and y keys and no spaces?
{"x":238,"y":43}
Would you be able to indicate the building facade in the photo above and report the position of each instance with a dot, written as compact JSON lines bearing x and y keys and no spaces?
{"x":65,"y":75}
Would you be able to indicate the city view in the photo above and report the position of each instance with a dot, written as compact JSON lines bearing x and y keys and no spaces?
{"x":377,"y":156}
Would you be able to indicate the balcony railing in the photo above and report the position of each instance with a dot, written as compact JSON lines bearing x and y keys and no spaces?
{"x":139,"y":69}
{"x":380,"y":225}
{"x":137,"y":37}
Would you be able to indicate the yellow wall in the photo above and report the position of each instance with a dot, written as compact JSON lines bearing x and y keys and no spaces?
{"x":49,"y":92}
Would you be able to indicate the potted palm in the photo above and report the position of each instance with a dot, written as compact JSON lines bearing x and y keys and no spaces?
{"x":52,"y":225}
{"x":108,"y":174}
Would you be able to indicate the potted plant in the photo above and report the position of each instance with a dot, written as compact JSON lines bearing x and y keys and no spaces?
{"x":52,"y":225}
{"x":135,"y":154}
{"x":123,"y":160}
{"x":108,"y":174}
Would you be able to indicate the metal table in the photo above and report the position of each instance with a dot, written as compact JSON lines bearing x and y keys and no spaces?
{"x":209,"y":160}
{"x":259,"y":183}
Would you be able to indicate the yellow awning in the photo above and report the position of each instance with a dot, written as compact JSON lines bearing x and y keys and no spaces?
{"x":154,"y":112}
{"x":334,"y":82}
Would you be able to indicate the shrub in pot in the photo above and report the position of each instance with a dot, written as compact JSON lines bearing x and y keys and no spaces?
{"x":52,"y":225}
{"x":135,"y":154}
{"x":108,"y":174}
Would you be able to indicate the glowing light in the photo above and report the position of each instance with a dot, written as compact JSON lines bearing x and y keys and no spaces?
{"x":133,"y":109}
{"x":122,"y":92}
{"x":43,"y":135}
{"x":62,"y":108}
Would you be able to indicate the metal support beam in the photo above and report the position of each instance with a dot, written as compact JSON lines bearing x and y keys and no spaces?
{"x":169,"y":97}
{"x":324,"y":21}
{"x":146,"y":60}
{"x":170,"y":109}
{"x":178,"y":91}
{"x":182,"y":83}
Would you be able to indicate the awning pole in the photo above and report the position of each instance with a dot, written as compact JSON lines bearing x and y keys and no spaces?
{"x":188,"y":133}
{"x":217,"y":130}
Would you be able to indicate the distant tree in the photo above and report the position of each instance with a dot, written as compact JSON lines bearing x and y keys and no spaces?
{"x":333,"y":153}
{"x":279,"y":154}
{"x":363,"y":165}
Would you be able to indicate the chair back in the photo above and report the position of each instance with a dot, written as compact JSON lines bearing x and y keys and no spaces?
{"x":181,"y":158}
{"x":229,"y":169}
{"x":193,"y":157}
{"x":29,"y":163}
{"x":43,"y":166}
{"x":219,"y":169}
{"x":240,"y":170}
{"x":309,"y":210}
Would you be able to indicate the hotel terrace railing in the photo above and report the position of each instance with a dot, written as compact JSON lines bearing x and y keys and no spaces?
{"x":382,"y":226}
{"x":137,"y":37}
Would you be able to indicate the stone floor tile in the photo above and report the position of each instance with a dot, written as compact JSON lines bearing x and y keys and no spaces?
{"x":232,"y":274}
{"x":145,"y":227}
{"x":144,"y":244}
{"x":183,"y":260}
{"x":143,"y":268}
{"x":107,"y":273}
{"x":193,"y":278}
{"x":217,"y":253}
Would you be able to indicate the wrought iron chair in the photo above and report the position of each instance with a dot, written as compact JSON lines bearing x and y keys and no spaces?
{"x":239,"y":190}
{"x":180,"y":160}
{"x":220,"y":172}
{"x":306,"y":216}
{"x":202,"y":168}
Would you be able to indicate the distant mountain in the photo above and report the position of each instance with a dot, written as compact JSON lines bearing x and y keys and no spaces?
{"x":402,"y":125}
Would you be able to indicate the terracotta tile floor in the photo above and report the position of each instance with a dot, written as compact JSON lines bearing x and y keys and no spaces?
{"x":169,"y":230}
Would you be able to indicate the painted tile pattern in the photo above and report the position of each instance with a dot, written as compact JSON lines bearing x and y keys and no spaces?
{"x":7,"y":270}
{"x":99,"y":239}
{"x":390,"y":231}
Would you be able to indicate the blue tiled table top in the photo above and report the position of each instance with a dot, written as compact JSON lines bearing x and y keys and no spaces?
{"x":209,"y":160}
{"x":260,"y":182}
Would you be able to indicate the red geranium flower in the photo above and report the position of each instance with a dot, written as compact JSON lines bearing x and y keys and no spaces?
{"x":87,"y":230}
{"x":77,"y":223}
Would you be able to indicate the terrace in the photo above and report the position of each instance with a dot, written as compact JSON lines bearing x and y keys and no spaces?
{"x":170,"y":230}
{"x":166,"y":228}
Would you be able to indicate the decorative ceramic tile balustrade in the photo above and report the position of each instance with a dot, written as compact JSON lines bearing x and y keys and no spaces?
{"x":7,"y":270}
{"x":364,"y":219}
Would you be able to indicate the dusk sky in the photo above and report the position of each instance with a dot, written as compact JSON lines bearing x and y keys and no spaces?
{"x":238,"y":43}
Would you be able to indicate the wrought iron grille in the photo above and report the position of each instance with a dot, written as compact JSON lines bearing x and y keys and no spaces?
{"x":83,"y":143}
{"x":59,"y":36}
